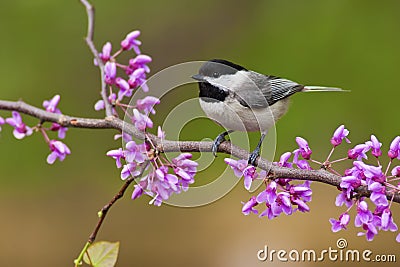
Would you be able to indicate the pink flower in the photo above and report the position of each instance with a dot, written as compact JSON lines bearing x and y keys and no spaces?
{"x":20,"y":129}
{"x":130,"y":42}
{"x":147,"y":104}
{"x":124,"y":88}
{"x":141,"y":121}
{"x":110,"y":72}
{"x":283,"y":161}
{"x":340,"y":224}
{"x":106,"y":52}
{"x":117,"y":154}
{"x":2,"y":121}
{"x":249,"y":175}
{"x":304,"y":149}
{"x":139,"y":62}
{"x":394,"y":148}
{"x":376,"y":146}
{"x":237,"y":166}
{"x":51,"y":105}
{"x":59,"y":150}
{"x":339,"y":135}
{"x":138,"y":78}
{"x":248,"y":207}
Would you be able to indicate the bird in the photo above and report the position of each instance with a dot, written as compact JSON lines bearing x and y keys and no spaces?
{"x":239,"y":99}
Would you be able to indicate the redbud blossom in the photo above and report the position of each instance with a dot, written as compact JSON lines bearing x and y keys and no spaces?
{"x":146,"y":104}
{"x":110,"y":72}
{"x":396,"y":171}
{"x":340,"y":224}
{"x":51,"y":105}
{"x":141,"y":121}
{"x":59,"y":150}
{"x":2,"y":121}
{"x":339,"y":135}
{"x":140,"y":62}
{"x":394,"y":148}
{"x":130,"y":42}
{"x":248,"y":207}
{"x":305,"y":150}
{"x":106,"y":52}
{"x":20,"y":129}
{"x":376,"y":146}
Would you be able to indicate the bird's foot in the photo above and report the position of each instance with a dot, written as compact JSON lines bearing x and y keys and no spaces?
{"x":218,"y":141}
{"x":256,"y":153}
{"x":254,"y":156}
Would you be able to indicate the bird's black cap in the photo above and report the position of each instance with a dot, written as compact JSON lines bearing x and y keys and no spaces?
{"x":228,"y":63}
{"x":217,"y":67}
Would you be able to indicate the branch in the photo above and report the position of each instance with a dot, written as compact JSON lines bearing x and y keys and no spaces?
{"x":103,"y":213}
{"x":104,"y":210}
{"x":112,"y":122}
{"x":92,"y":47}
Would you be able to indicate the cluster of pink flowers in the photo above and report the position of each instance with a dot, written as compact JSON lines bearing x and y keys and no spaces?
{"x":379,"y":183}
{"x":165,"y":177}
{"x":136,"y":70}
{"x":119,"y":88}
{"x":58,"y":150}
{"x":282,"y":196}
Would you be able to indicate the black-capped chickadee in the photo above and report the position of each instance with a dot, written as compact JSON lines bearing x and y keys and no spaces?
{"x":243,"y":100}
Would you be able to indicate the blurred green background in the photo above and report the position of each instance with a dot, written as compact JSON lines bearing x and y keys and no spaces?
{"x":47,"y":212}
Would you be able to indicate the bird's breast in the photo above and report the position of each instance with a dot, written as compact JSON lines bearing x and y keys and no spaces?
{"x":234,"y":116}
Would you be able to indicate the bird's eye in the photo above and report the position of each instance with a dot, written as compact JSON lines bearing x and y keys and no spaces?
{"x":216,"y":74}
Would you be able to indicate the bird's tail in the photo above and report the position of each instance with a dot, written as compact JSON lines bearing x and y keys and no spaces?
{"x":311,"y":88}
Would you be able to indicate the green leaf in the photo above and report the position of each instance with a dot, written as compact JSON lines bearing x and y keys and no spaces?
{"x":102,"y":254}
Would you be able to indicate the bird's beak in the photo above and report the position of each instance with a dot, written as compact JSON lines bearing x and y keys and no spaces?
{"x":198,"y":77}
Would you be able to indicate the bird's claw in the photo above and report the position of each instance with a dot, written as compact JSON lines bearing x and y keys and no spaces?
{"x":217,"y":142}
{"x":253,"y":156}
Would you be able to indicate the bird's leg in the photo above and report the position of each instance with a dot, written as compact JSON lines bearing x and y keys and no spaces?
{"x":218,"y":141}
{"x":256,"y":153}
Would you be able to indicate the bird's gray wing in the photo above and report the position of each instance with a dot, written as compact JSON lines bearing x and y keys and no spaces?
{"x":261,"y":91}
{"x":280,"y":88}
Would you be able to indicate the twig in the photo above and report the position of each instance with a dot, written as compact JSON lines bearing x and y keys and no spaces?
{"x":275,"y":171}
{"x":92,"y":47}
{"x":103,"y":213}
{"x":104,"y":210}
